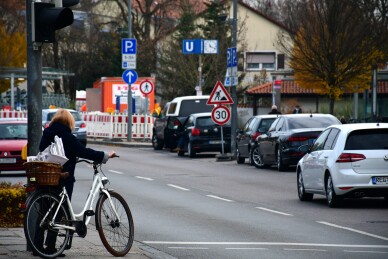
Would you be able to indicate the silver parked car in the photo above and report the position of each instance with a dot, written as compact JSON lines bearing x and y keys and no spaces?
{"x":346,"y":161}
{"x":80,"y":126}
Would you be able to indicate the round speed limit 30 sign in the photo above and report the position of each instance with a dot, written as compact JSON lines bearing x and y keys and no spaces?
{"x":221,"y":115}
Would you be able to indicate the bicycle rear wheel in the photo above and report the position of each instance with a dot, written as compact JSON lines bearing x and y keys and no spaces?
{"x":44,"y":240}
{"x":116,"y":233}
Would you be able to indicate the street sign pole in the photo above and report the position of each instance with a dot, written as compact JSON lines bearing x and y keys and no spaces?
{"x":221,"y":115}
{"x":199,"y":91}
{"x":234,"y":92}
{"x":146,"y":88}
{"x":145,"y":117}
{"x":129,"y":94}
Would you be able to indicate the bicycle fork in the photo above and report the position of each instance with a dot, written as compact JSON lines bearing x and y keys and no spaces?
{"x":116,"y":222}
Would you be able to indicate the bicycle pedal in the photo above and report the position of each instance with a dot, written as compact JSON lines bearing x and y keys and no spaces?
{"x":89,"y":213}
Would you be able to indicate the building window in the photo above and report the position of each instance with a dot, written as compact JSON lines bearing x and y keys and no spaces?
{"x":260,"y":60}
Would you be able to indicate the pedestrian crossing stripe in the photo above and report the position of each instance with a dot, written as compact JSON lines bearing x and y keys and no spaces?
{"x":219,"y":95}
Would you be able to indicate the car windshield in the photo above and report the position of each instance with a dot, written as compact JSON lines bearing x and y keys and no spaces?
{"x":368,"y":139}
{"x":13,"y":131}
{"x":311,"y":122}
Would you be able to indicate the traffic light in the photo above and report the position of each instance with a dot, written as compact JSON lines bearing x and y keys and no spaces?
{"x":46,"y":18}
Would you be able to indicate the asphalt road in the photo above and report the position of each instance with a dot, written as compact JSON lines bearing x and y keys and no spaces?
{"x":200,"y":208}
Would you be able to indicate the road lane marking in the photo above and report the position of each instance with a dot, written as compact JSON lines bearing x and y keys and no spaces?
{"x":376,"y":252}
{"x":178,"y":187}
{"x":116,"y":172}
{"x":274,"y":211}
{"x":144,"y":178}
{"x":188,"y":248}
{"x":353,"y":230}
{"x":246,"y":248}
{"x":300,"y":249}
{"x":219,"y":198}
{"x":263,"y":243}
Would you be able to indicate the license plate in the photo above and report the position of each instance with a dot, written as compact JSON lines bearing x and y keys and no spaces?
{"x":380,"y":180}
{"x":215,"y":141}
{"x":7,"y":160}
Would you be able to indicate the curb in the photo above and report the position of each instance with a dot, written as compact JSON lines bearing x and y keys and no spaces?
{"x":13,"y":245}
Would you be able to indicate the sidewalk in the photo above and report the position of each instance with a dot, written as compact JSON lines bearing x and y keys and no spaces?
{"x":13,"y":245}
{"x":13,"y":242}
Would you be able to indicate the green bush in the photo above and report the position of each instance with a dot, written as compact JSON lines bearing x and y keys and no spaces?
{"x":12,"y":196}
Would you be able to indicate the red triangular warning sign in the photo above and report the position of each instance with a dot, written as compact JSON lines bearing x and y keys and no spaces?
{"x":219,"y":95}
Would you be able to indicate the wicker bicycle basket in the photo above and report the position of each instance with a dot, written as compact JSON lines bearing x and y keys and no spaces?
{"x":43,"y":173}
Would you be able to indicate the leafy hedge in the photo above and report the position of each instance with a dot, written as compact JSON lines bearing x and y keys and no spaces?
{"x":12,"y":196}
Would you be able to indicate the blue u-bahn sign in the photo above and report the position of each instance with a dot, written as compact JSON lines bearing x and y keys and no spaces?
{"x":192,"y":46}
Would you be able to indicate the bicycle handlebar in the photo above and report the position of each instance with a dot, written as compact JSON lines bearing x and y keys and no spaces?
{"x":90,"y":162}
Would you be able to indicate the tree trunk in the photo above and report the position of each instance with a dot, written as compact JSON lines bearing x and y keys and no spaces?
{"x":332,"y":101}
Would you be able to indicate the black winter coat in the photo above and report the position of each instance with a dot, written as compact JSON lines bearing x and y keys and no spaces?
{"x":73,"y":148}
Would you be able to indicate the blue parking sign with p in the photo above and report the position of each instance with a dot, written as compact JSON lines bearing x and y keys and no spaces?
{"x":128,"y":46}
{"x":231,"y":57}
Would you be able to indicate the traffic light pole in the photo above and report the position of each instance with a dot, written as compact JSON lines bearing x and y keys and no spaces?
{"x":34,"y":87}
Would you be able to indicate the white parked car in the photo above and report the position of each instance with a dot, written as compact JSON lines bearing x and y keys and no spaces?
{"x":346,"y":161}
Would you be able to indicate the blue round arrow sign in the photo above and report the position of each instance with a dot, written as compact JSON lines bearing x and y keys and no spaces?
{"x":130,"y":76}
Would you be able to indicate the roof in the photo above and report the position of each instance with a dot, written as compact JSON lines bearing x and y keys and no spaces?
{"x":267,"y":116}
{"x":200,"y":7}
{"x":191,"y":97}
{"x":356,"y":126}
{"x":306,"y":115}
{"x":291,"y":87}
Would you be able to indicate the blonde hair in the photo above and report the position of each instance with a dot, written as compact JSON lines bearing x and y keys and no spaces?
{"x":64,"y":117}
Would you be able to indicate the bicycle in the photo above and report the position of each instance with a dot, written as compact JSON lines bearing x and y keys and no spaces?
{"x":50,"y":218}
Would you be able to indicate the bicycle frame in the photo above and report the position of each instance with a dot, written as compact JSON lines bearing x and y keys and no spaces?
{"x":97,"y":188}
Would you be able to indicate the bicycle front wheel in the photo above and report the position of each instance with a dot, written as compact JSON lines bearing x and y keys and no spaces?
{"x":116,"y":232}
{"x":44,"y":238}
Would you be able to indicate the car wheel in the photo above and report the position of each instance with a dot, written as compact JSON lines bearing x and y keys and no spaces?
{"x":240,"y":160}
{"x":333,"y":199}
{"x":190,"y":150}
{"x":303,"y":196}
{"x":279,"y":161}
{"x":156,"y":143}
{"x":257,"y":158}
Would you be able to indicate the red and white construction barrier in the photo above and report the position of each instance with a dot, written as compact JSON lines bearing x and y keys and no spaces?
{"x":116,"y":125}
{"x":13,"y":114}
{"x":106,"y":125}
